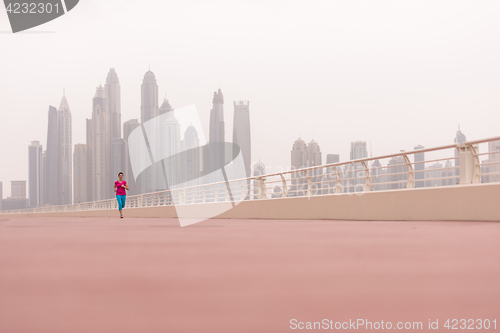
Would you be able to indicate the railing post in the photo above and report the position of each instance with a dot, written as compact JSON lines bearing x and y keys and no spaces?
{"x":285,"y":187}
{"x":261,"y":183}
{"x":309,"y":184}
{"x":410,"y":182}
{"x":338,"y":183}
{"x":204,"y":198}
{"x":367,"y":176}
{"x":182,"y":198}
{"x":469,"y":165}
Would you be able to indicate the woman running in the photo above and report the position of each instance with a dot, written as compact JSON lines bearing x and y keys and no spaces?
{"x":121,"y":194}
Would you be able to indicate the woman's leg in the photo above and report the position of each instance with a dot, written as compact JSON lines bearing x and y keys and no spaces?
{"x":120,"y":205}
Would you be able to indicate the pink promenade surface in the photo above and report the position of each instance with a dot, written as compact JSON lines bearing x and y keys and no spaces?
{"x":150,"y":275}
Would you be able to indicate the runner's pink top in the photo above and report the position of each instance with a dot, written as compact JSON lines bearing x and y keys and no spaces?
{"x":120,"y":190}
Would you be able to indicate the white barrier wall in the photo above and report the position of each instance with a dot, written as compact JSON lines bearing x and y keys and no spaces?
{"x":454,"y":203}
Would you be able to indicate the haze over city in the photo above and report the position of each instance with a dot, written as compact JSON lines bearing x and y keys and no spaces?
{"x":397,"y":74}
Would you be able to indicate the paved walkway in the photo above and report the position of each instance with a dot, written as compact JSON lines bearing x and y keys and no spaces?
{"x":149,"y":275}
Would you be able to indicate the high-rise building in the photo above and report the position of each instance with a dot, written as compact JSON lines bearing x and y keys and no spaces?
{"x":378,"y":175}
{"x":299,"y":160}
{"x":88,"y":163}
{"x":18,"y":189}
{"x":119,"y":158}
{"x":80,"y":173}
{"x":329,"y":182}
{"x":147,"y":180}
{"x":113,"y":92}
{"x":170,"y":133}
{"x":53,"y":163}
{"x":18,"y":199}
{"x":332,"y":158}
{"x":102,"y":184}
{"x":191,"y":162}
{"x":314,"y":159}
{"x":241,"y":132}
{"x":149,"y":97}
{"x":358,"y":151}
{"x":165,"y":106}
{"x":66,"y":152}
{"x":128,"y":127}
{"x":419,"y":167}
{"x":36,"y":175}
{"x":396,"y":173}
{"x":216,"y":154}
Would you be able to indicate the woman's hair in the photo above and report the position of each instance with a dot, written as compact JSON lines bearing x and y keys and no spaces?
{"x":120,"y":173}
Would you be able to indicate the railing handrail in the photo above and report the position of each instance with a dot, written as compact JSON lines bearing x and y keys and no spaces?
{"x":305,"y":175}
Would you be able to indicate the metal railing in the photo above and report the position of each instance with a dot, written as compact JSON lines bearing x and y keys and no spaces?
{"x":463,"y":165}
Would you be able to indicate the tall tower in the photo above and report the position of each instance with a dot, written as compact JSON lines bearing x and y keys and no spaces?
{"x":149,"y":110}
{"x":128,"y":127}
{"x":171,"y":143}
{"x":66,"y":153}
{"x":53,"y":159}
{"x":165,"y":106}
{"x":191,"y":162}
{"x":216,"y":155}
{"x":80,"y":173}
{"x":314,"y":159}
{"x":36,"y":174}
{"x":358,"y":150}
{"x":101,"y":147}
{"x":299,"y":161}
{"x":241,"y":132}
{"x":88,"y":170}
{"x":114,"y":99}
{"x":149,"y":97}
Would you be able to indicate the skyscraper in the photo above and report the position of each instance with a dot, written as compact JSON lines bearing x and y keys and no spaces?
{"x":149,"y":97}
{"x":36,"y":175}
{"x":191,"y":162}
{"x":165,"y":106}
{"x":66,"y":152}
{"x":18,"y":199}
{"x":118,"y":159}
{"x":147,"y":181}
{"x":80,"y":173}
{"x":216,"y":154}
{"x":314,"y":159}
{"x":170,"y":133}
{"x":128,"y":127}
{"x":18,"y":189}
{"x":358,"y":151}
{"x":299,"y":161}
{"x":241,"y":132}
{"x":329,"y":182}
{"x":53,"y":159}
{"x":419,"y":167}
{"x":88,"y":163}
{"x":101,"y":147}
{"x":113,"y":93}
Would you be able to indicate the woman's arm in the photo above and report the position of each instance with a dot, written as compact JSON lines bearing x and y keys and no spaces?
{"x":115,"y":187}
{"x":126,"y":186}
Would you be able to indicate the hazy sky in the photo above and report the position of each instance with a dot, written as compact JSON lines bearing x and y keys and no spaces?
{"x":398,"y":73}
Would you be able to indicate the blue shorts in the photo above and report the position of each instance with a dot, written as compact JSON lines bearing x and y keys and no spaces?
{"x":121,"y":201}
